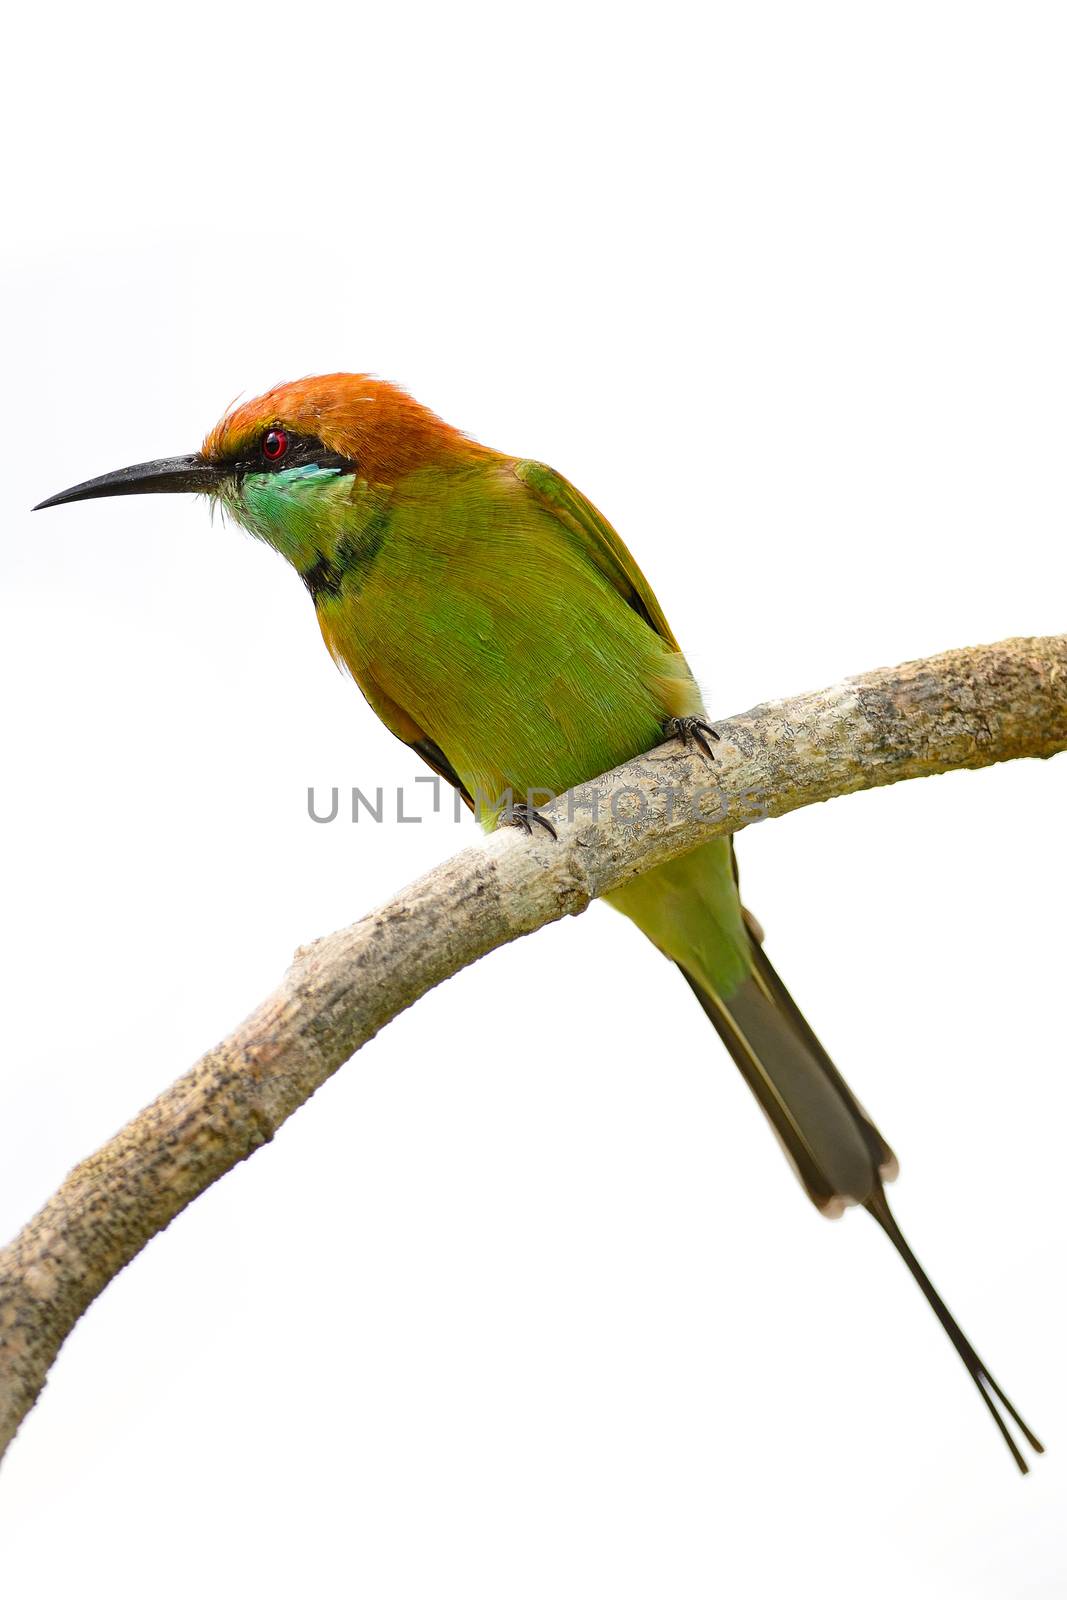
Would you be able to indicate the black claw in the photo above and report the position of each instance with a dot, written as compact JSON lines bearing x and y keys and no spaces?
{"x":524,"y":816}
{"x":692,"y":730}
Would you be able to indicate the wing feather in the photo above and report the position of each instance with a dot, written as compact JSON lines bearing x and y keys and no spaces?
{"x":569,"y":506}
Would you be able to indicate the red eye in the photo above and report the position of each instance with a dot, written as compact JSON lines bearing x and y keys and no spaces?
{"x":275,"y":444}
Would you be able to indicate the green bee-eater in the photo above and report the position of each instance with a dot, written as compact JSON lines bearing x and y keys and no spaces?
{"x":499,"y":626}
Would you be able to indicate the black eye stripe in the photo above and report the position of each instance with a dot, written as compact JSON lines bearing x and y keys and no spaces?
{"x":301,"y":450}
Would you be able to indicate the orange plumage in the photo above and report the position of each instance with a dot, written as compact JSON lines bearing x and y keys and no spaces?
{"x":371,"y":422}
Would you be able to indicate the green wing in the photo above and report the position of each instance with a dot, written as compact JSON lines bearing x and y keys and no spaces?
{"x":599,"y":538}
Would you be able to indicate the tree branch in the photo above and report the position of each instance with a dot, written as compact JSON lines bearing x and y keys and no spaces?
{"x":966,"y":708}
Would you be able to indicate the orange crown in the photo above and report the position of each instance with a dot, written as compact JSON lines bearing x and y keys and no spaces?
{"x":371,"y":422}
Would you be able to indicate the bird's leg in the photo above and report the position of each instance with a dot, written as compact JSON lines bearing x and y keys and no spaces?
{"x":691,"y":730}
{"x":524,"y":814}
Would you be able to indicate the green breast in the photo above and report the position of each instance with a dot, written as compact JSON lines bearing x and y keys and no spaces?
{"x":476,"y":613}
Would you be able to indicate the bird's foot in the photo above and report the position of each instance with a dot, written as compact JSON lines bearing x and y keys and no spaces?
{"x":523,"y":815}
{"x":691,"y":730}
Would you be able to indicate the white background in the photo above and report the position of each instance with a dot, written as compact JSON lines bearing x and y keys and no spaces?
{"x":526,"y":1302}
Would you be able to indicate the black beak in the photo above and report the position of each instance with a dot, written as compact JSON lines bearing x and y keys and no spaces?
{"x":172,"y":475}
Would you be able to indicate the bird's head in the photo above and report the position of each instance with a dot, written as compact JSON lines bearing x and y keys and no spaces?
{"x":281,"y":462}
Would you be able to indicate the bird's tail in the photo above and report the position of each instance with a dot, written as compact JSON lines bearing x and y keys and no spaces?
{"x":837,"y":1151}
{"x":834,"y":1147}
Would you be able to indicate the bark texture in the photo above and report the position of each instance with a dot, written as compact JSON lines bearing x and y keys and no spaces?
{"x":966,"y":708}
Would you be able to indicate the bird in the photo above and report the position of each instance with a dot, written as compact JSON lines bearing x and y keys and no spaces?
{"x":498,"y":626}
